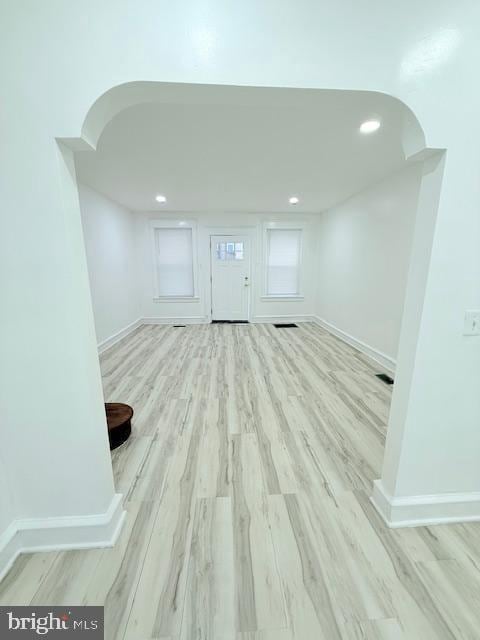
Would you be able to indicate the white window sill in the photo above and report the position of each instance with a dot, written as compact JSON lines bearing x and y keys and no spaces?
{"x":176,"y":299}
{"x":286,"y":298}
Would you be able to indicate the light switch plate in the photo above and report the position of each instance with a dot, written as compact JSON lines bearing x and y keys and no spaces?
{"x":471,"y":325}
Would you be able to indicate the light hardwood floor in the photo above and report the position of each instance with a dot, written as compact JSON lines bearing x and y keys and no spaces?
{"x":246,"y":483}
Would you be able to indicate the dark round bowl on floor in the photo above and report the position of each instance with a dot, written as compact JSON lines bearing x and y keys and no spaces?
{"x":119,"y":423}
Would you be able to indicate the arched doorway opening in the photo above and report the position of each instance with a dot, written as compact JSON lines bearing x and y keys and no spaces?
{"x":123,"y":108}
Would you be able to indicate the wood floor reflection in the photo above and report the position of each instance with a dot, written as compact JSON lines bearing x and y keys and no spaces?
{"x":247,"y":482}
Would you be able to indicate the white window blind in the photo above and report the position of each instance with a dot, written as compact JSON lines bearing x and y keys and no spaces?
{"x":174,"y":254}
{"x":283,"y":262}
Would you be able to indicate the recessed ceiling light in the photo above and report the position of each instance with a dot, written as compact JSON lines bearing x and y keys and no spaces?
{"x":294,"y":200}
{"x":370,"y":126}
{"x":161,"y":199}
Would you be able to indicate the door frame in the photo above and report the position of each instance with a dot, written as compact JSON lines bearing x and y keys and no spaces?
{"x":230,"y":231}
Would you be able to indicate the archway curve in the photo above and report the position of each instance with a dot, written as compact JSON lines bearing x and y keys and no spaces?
{"x":131,"y":94}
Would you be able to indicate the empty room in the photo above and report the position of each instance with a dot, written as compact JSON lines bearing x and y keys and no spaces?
{"x":240,"y":323}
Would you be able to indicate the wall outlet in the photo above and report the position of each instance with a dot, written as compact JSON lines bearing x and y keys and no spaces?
{"x":471,"y":325}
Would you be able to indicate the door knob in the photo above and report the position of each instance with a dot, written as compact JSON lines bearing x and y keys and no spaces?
{"x":246,"y":281}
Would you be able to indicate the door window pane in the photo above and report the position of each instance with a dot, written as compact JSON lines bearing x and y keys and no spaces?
{"x":229,"y":250}
{"x":220,"y":250}
{"x":238,"y":250}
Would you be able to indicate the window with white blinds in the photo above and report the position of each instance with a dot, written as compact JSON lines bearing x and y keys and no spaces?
{"x":283,"y":262}
{"x":174,"y":260}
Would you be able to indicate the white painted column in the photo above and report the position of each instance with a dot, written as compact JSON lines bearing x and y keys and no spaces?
{"x":431,"y":469}
{"x":54,"y":435}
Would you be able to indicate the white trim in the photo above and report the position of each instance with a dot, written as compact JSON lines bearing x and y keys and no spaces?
{"x":222,"y":230}
{"x":56,"y":534}
{"x":174,"y":223}
{"x":418,"y":511}
{"x":385,"y":361}
{"x":297,"y":225}
{"x":284,"y":318}
{"x":176,"y":320}
{"x":176,"y":299}
{"x":123,"y":333}
{"x":287,"y":298}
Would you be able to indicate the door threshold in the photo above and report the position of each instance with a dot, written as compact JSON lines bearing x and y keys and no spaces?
{"x":230,"y":322}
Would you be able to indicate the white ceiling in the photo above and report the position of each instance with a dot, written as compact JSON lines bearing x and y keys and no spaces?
{"x":246,"y":156}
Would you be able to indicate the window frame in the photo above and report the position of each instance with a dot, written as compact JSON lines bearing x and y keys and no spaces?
{"x":174,"y":224}
{"x":280,"y":226}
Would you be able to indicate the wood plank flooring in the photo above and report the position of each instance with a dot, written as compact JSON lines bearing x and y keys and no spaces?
{"x":246,"y":483}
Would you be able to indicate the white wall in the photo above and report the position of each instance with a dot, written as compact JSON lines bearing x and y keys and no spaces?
{"x":252,"y":224}
{"x":109,"y":236}
{"x":363,"y":259}
{"x":58,"y":462}
{"x":121,"y":270}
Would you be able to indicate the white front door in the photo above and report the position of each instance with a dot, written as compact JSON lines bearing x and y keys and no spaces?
{"x":230,"y":274}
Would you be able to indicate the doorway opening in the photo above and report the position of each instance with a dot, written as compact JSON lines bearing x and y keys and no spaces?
{"x":294,"y":160}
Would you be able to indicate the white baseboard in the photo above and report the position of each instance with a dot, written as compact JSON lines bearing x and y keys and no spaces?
{"x":388,"y":363}
{"x":123,"y":333}
{"x":176,"y":320}
{"x":57,"y":534}
{"x":284,"y":318}
{"x":418,"y":511}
